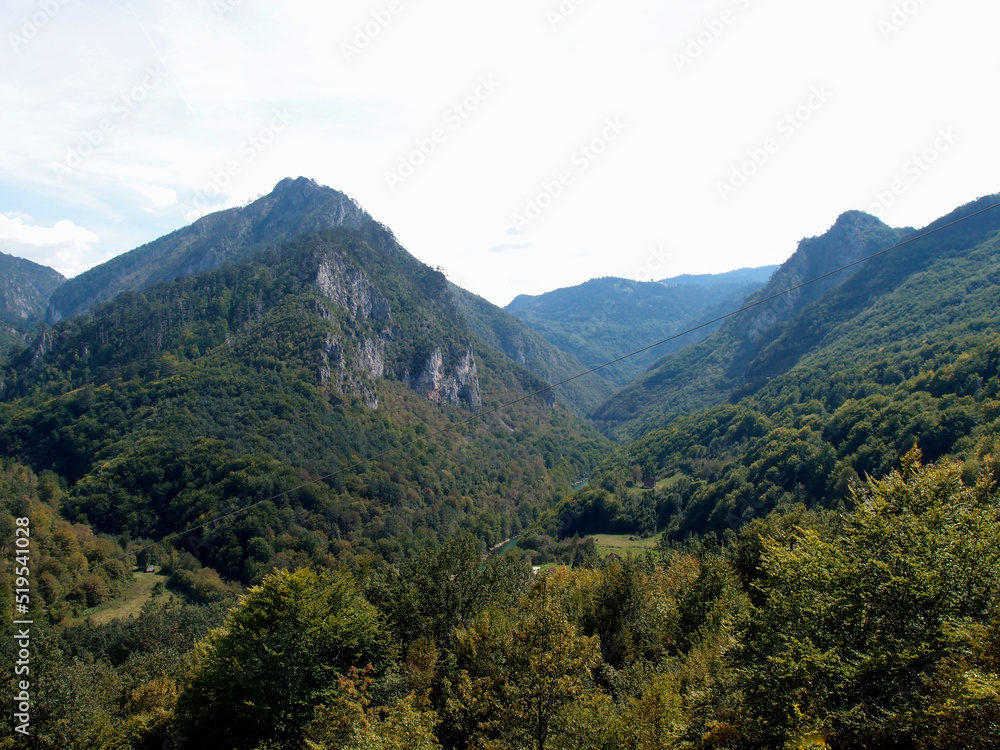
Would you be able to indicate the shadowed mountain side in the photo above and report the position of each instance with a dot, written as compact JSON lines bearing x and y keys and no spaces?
{"x":506,"y":333}
{"x":25,"y":288}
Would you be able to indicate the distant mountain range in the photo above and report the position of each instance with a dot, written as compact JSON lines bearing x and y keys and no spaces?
{"x":861,"y":306}
{"x":604,"y":319}
{"x":736,"y":280}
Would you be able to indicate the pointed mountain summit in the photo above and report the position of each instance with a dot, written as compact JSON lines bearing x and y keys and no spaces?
{"x":294,"y":207}
{"x":771,"y":339}
{"x":330,"y":353}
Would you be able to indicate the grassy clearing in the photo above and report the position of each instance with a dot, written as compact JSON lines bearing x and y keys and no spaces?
{"x":624,"y":544}
{"x":671,"y":481}
{"x":131,"y":602}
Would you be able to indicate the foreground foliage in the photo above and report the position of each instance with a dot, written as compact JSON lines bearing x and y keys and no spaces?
{"x":873,"y":628}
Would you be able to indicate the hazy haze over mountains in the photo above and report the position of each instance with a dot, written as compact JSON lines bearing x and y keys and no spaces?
{"x":607,"y":318}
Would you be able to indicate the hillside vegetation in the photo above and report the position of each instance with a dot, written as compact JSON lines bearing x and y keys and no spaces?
{"x":339,"y":356}
{"x":355,"y":445}
{"x":605,"y":319}
{"x":903,"y":354}
{"x":876,"y":628}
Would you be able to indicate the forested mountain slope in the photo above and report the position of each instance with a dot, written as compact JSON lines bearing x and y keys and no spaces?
{"x":25,"y":288}
{"x":508,"y":334}
{"x":905,"y":353}
{"x":604,"y":319}
{"x":744,"y":352}
{"x":195,"y":398}
{"x":866,"y":620}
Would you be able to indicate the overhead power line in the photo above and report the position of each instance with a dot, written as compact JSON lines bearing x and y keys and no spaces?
{"x":534,"y":394}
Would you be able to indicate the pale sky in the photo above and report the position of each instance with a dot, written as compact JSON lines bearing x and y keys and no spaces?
{"x":524,"y":146}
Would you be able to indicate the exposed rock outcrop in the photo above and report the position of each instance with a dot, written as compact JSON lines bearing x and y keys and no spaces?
{"x":442,"y":384}
{"x":353,"y":370}
{"x":351,"y":289}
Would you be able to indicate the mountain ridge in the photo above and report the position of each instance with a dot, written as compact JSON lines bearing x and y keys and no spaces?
{"x":606,"y":318}
{"x":768,"y":340}
{"x":211,"y":241}
{"x":25,"y":287}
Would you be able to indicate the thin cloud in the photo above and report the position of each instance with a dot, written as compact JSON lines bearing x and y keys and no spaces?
{"x":505,"y":248}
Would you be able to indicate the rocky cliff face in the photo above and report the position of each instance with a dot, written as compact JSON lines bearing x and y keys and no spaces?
{"x":351,"y":289}
{"x":442,"y":384}
{"x":352,"y":362}
{"x":353,"y":370}
{"x":855,"y":235}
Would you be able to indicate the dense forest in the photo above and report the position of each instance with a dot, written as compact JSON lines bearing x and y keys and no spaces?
{"x":242,"y":386}
{"x":871,"y":628}
{"x":313,"y":496}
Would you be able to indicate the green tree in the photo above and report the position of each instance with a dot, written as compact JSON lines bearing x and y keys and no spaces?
{"x":853,"y":627}
{"x":445,"y":588}
{"x":522,"y":675}
{"x":350,"y":723}
{"x":278,"y":655}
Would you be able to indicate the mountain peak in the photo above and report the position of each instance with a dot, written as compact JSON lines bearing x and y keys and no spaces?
{"x":295,"y":207}
{"x":298,"y":205}
{"x":299,"y":182}
{"x":854,"y":216}
{"x":302,"y":186}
